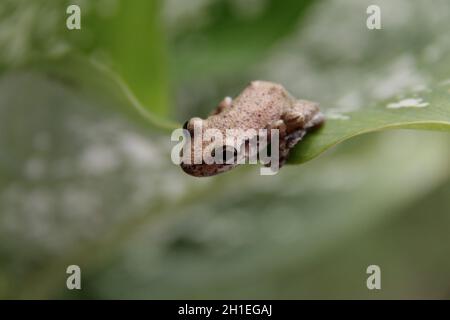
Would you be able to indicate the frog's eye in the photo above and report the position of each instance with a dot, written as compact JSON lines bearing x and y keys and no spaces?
{"x":227,"y":154}
{"x":186,"y":131}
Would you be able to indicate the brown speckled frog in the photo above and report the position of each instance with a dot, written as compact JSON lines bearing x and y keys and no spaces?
{"x":262,"y":105}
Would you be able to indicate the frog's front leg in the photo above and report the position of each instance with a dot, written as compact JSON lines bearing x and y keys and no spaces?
{"x":302,"y":115}
{"x":295,"y":121}
{"x":283,"y":148}
{"x":227,"y":102}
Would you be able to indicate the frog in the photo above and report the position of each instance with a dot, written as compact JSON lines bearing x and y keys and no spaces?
{"x":261,"y":105}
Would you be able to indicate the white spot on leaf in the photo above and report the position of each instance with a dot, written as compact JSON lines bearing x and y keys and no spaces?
{"x":337,"y":116}
{"x":408,"y":103}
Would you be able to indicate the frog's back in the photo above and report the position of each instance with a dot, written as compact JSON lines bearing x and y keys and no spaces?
{"x":260,"y":103}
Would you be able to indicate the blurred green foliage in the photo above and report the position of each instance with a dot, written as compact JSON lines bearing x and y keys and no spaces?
{"x":232,"y":37}
{"x":129,"y":35}
{"x":85,"y":180}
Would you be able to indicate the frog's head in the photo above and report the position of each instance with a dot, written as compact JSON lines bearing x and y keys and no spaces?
{"x":216,"y":157}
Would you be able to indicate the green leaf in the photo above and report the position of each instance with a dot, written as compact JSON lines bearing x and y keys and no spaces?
{"x":426,"y":111}
{"x":128,"y":36}
{"x":97,"y":80}
{"x":236,"y":36}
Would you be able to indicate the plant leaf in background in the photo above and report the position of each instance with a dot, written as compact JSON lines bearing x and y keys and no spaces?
{"x":229,"y":36}
{"x":429,"y":110}
{"x":128,"y":36}
{"x":95,"y":79}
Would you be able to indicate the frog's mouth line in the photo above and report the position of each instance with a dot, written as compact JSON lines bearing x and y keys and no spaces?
{"x":205,"y":170}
